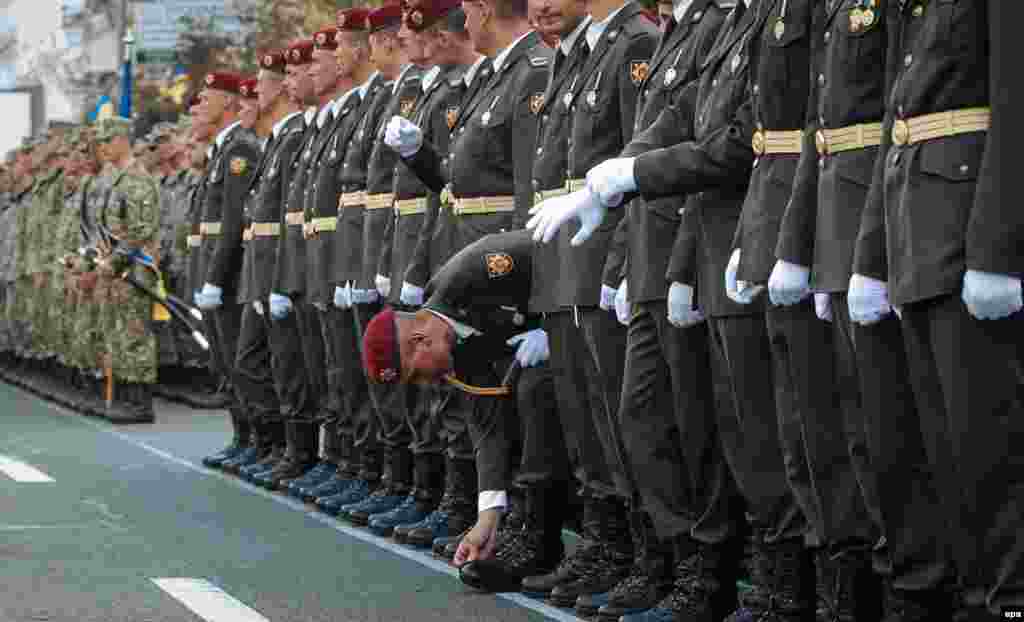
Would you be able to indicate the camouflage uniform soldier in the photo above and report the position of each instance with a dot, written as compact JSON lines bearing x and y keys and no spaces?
{"x":131,"y":212}
{"x":17,"y":308}
{"x":47,"y":199}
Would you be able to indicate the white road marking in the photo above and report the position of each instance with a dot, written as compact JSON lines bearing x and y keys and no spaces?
{"x":21,"y":472}
{"x":413,"y":555}
{"x":40,"y":527}
{"x":208,"y":601}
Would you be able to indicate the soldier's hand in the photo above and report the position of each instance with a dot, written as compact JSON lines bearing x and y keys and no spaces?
{"x":383,"y":285}
{"x":481,"y":541}
{"x":868,"y":300}
{"x":549,"y":216}
{"x":411,"y":294}
{"x":210,"y":297}
{"x":622,"y":303}
{"x":533,"y":348}
{"x":739,"y":291}
{"x":789,"y":283}
{"x":403,"y":136}
{"x":280,"y":306}
{"x":682,"y":308}
{"x":823,"y":307}
{"x":607,"y":297}
{"x":611,"y":179}
{"x":991,"y":296}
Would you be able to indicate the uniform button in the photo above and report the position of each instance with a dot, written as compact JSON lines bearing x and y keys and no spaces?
{"x":544,"y":118}
{"x":899,"y":110}
{"x":536,"y":185}
{"x":821,"y":163}
{"x":964,"y":168}
{"x":540,"y":150}
{"x":757,"y":89}
{"x":908,"y":59}
{"x":714,"y":83}
{"x":821,"y":79}
{"x":821,"y":120}
{"x":896,"y":158}
{"x":828,"y":35}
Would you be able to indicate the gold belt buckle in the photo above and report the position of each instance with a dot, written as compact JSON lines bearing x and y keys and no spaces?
{"x":900,"y":132}
{"x":758,"y":142}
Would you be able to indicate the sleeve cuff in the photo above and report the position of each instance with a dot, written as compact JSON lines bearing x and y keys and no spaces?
{"x":492,"y":499}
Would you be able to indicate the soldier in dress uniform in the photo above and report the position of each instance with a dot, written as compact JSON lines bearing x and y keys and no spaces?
{"x":289,"y":280}
{"x":667,"y":394}
{"x":485,"y":181}
{"x":441,"y":444}
{"x":936,"y":244}
{"x":229,"y":172}
{"x":588,"y":343}
{"x":815,"y":253}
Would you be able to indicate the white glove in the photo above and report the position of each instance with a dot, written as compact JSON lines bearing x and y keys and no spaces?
{"x":682,"y":310}
{"x":868,"y":300}
{"x":611,"y":179}
{"x":607,"y":297}
{"x":280,"y":306}
{"x":533,"y":347}
{"x":622,"y":303}
{"x":403,"y":136}
{"x":822,"y":307}
{"x":343,"y":296}
{"x":549,"y":216}
{"x":739,"y":291}
{"x":411,"y":295}
{"x":789,"y":283}
{"x":991,"y":296}
{"x":383,"y":284}
{"x":210,"y":297}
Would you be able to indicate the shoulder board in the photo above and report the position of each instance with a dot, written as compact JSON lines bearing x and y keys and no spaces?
{"x":539,"y":61}
{"x":727,"y":5}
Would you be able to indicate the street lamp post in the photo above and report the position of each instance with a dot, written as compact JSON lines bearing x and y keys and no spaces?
{"x":126,"y":75}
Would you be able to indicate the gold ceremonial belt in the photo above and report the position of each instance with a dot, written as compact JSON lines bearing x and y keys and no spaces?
{"x":194,"y":241}
{"x":264,"y":230}
{"x":209,"y":228}
{"x":848,"y":138}
{"x":474,"y":390}
{"x":484,"y":205}
{"x":570,"y":186}
{"x":940,"y":125}
{"x":777,"y":142}
{"x":352,"y":199}
{"x":380,"y":201}
{"x":294,"y":219}
{"x":322,"y":224}
{"x":411,"y":207}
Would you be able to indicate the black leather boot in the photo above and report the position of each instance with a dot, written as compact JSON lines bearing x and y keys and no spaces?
{"x":935,"y":605}
{"x":239,"y":440}
{"x":300,"y":454}
{"x":134,"y":404}
{"x":428,"y":486}
{"x":649,"y":579}
{"x":534,"y":550}
{"x":456,"y":512}
{"x":704,"y":589}
{"x":587,"y":555}
{"x":273,"y":436}
{"x":616,"y":560}
{"x":855,"y":594}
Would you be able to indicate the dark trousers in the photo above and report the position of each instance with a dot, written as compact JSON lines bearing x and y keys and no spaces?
{"x":589,"y":422}
{"x":669,"y":428}
{"x":824,"y":444}
{"x":287,"y":366}
{"x":222,"y":325}
{"x":348,"y":398}
{"x":750,"y":429}
{"x":253,"y":369}
{"x":313,"y":359}
{"x":967,"y":377}
{"x":905,"y":484}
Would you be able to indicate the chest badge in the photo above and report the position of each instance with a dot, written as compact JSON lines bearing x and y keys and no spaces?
{"x":239,"y":166}
{"x":536,"y":102}
{"x":450,"y":116}
{"x":406,"y":108}
{"x":638,"y":71}
{"x":670,"y":76}
{"x":498,"y":264}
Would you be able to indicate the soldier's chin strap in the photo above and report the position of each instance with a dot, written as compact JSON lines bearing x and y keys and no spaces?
{"x":506,"y":388}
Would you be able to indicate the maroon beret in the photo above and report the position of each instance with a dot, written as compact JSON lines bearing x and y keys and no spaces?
{"x":273,"y":60}
{"x":224,"y":81}
{"x":353,"y":19}
{"x":381,"y":359}
{"x":385,"y":17}
{"x":248,"y":88}
{"x":300,"y":52}
{"x":326,"y":38}
{"x":428,"y":12}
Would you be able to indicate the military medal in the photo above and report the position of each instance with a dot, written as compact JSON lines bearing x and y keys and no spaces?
{"x":567,"y":99}
{"x":867,"y":18}
{"x":592,"y":98}
{"x":486,"y":117}
{"x":736,"y":60}
{"x":670,"y":75}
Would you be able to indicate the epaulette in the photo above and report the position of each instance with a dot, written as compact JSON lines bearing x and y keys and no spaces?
{"x":727,"y":5}
{"x":539,"y":61}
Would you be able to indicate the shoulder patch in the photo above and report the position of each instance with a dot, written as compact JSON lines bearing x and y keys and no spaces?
{"x":498,"y":264}
{"x":239,"y":165}
{"x":638,"y":71}
{"x":539,"y":61}
{"x":727,"y":4}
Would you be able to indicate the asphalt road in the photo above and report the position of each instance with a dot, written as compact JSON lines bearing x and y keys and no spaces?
{"x":132,"y":528}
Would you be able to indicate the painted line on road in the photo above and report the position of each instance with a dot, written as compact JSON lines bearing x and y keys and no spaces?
{"x":21,"y":472}
{"x":208,"y":601}
{"x":413,"y":555}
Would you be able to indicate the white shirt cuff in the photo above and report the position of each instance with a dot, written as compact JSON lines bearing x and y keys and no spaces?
{"x":492,"y":499}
